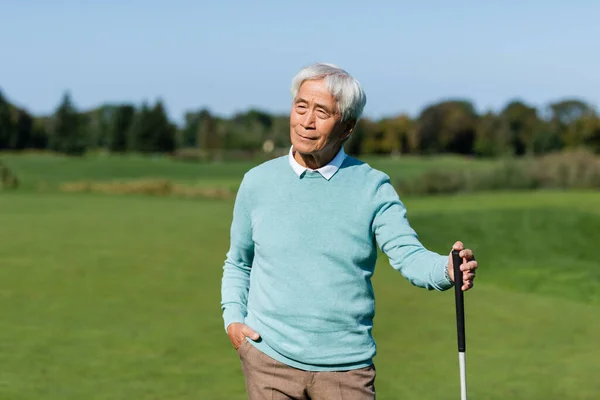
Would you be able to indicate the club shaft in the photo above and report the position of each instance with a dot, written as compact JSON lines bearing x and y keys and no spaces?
{"x":463,"y":375}
{"x":460,"y":322}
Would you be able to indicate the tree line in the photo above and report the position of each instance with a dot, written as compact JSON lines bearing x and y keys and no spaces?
{"x":451,"y":126}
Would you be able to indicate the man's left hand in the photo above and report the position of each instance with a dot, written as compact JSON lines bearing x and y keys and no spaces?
{"x":468,"y":266}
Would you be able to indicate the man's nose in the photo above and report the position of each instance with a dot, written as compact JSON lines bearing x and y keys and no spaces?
{"x":308,"y":122}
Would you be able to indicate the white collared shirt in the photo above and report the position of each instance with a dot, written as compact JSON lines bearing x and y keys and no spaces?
{"x":327,"y":171}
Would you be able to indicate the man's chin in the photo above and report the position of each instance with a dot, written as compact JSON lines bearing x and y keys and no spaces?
{"x":302,"y":149}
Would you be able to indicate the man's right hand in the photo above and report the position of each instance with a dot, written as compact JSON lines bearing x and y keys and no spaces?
{"x":238,"y":332}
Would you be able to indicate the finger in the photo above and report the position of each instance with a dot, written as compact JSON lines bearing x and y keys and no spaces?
{"x":468,"y":276}
{"x":469,"y":266}
{"x":249,"y":332}
{"x":467,"y":286}
{"x":467,"y":253}
{"x":458,"y":246}
{"x":235,"y":342}
{"x":239,"y":338}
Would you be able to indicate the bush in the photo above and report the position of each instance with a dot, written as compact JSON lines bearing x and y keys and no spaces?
{"x":508,"y":175}
{"x":7,"y":179}
{"x":150,"y":187}
{"x":190,"y":155}
{"x":436,"y":181}
{"x":577,"y":169}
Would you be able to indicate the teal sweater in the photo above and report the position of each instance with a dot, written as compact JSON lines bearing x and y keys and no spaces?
{"x":303,"y":250}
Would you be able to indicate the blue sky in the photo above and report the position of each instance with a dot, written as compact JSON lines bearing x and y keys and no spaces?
{"x":233,"y":55}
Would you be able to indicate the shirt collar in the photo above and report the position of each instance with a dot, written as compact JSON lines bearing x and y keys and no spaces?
{"x":327,"y":171}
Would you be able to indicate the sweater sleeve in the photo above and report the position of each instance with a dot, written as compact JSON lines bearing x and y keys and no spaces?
{"x":235,"y":283}
{"x":397,"y":239}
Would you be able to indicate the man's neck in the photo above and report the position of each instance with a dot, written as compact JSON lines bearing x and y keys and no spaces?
{"x":317,"y":160}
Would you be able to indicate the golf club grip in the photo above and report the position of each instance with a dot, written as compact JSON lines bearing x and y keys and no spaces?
{"x":460,"y":302}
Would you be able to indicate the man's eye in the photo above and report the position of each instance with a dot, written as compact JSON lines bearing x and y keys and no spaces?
{"x":322,"y":114}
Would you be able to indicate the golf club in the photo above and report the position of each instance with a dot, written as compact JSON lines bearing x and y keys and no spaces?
{"x":460,"y":321}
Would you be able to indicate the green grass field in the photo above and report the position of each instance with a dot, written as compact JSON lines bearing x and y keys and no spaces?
{"x":117,"y":297}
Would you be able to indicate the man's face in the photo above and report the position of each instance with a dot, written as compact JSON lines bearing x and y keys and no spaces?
{"x":315,"y":123}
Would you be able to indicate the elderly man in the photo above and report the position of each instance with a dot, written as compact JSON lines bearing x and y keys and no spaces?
{"x":297,"y":298}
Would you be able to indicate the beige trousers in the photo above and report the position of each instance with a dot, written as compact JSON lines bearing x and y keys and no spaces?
{"x":268,"y":379}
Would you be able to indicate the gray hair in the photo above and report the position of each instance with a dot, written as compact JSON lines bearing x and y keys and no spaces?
{"x":348,"y":92}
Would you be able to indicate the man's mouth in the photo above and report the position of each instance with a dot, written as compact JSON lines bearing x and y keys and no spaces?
{"x":306,"y":137}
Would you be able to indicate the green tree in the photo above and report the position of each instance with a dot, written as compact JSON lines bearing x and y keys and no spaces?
{"x":69,"y":135}
{"x":98,"y":122}
{"x":119,"y":127}
{"x":370,"y":134}
{"x":140,"y":132}
{"x":573,"y":121}
{"x":7,"y":128}
{"x":24,"y":131}
{"x":449,"y":126}
{"x":388,"y":136}
{"x":190,"y":129}
{"x":209,"y":138}
{"x":593,"y":141}
{"x":246,"y":131}
{"x":279,"y":132}
{"x":151,"y":131}
{"x":519,"y":125}
{"x":491,"y":140}
{"x":163,"y":131}
{"x":199,"y":130}
{"x":40,"y":133}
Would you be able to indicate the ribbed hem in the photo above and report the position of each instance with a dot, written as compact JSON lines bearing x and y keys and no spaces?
{"x":343,"y":364}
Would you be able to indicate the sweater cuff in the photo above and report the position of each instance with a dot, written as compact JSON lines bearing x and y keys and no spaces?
{"x":233,"y":313}
{"x":441,"y":277}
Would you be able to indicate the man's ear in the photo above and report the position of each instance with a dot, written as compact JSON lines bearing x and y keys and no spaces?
{"x":348,"y":128}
